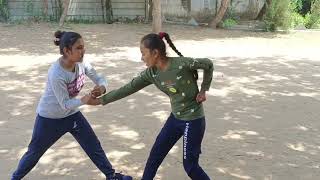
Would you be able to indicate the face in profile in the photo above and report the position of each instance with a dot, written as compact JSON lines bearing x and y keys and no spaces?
{"x":149,"y":57}
{"x":77,"y":51}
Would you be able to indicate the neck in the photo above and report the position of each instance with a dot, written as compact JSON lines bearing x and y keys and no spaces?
{"x":67,"y":65}
{"x":162,"y":64}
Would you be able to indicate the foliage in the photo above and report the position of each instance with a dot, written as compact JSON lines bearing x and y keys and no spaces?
{"x":4,"y":10}
{"x":297,"y":20}
{"x":313,"y":18}
{"x":278,"y":15}
{"x":227,"y":23}
{"x":302,"y":7}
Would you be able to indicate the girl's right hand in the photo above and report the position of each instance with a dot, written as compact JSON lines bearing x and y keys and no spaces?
{"x":201,"y":97}
{"x":89,"y":100}
{"x":86,"y":98}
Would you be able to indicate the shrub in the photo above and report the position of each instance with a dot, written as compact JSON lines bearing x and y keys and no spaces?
{"x":227,"y":23}
{"x":313,"y":18}
{"x":278,"y":15}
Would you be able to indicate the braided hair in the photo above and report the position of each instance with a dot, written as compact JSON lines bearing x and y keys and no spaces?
{"x":154,"y":41}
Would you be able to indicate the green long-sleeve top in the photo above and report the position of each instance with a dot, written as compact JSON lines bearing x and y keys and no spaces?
{"x":177,"y":81}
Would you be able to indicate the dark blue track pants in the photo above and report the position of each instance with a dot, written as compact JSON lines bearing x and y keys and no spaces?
{"x":47,"y":131}
{"x":192,"y":133}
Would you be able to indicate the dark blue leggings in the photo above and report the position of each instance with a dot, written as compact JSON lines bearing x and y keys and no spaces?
{"x":172,"y":131}
{"x":47,"y":131}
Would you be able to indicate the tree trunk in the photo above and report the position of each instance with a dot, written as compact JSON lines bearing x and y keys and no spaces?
{"x":222,"y":10}
{"x":45,"y":8}
{"x":156,"y":13}
{"x":264,"y":9}
{"x":148,"y":10}
{"x":269,"y":2}
{"x":103,"y":9}
{"x":108,"y":10}
{"x":65,"y":12}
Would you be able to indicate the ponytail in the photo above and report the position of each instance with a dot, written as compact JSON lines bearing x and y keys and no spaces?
{"x":173,"y":47}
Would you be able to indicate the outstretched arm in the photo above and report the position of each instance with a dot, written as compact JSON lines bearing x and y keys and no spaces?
{"x":133,"y":86}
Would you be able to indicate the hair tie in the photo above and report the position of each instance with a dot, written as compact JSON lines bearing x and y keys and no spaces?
{"x":162,"y":34}
{"x":57,"y":40}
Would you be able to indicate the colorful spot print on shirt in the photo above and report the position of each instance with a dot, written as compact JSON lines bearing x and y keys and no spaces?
{"x":173,"y":90}
{"x":193,"y":63}
{"x":170,"y":85}
{"x":76,"y":85}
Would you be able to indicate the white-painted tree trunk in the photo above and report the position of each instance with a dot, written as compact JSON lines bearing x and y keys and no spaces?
{"x":156,"y":13}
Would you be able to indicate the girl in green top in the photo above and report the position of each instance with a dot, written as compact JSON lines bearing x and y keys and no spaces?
{"x":177,"y":78}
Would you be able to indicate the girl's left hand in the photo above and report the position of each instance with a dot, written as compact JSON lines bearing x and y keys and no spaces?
{"x":98,"y":91}
{"x":201,"y":97}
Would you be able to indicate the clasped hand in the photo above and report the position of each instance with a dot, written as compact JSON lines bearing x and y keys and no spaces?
{"x":93,"y":97}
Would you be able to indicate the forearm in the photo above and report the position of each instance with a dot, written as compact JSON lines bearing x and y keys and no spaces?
{"x":94,"y":76}
{"x":207,"y":66}
{"x":207,"y":79}
{"x":135,"y":85}
{"x":116,"y":95}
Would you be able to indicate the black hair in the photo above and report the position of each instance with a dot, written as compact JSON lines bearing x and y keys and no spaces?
{"x":65,"y":39}
{"x":154,"y":41}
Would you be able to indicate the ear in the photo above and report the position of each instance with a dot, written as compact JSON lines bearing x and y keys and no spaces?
{"x":66,"y":51}
{"x":156,"y":53}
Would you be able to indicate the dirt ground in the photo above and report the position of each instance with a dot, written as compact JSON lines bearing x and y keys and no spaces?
{"x":262,"y":109}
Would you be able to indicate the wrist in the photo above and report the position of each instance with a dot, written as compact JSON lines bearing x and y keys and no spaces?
{"x":103,"y":89}
{"x":83,"y":100}
{"x":203,"y":91}
{"x":101,"y":101}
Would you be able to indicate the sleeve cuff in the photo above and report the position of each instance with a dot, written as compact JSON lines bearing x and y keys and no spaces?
{"x":79,"y":102}
{"x":103,"y":101}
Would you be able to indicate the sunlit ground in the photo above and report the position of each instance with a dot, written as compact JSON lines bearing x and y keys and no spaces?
{"x":262,"y":109}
